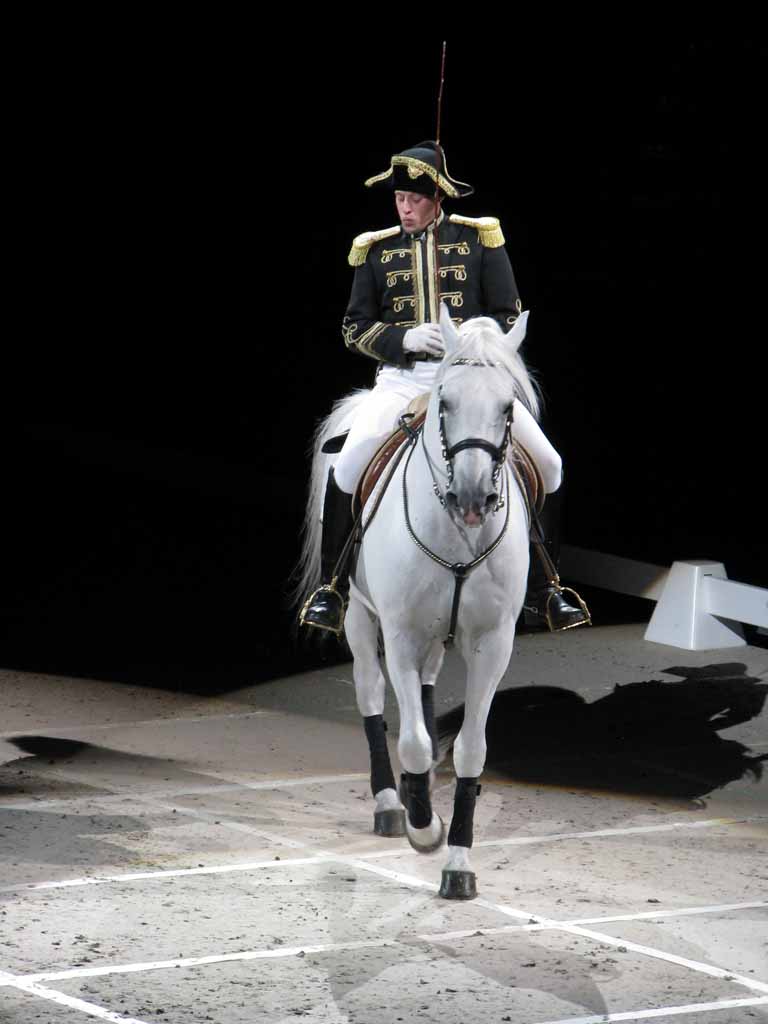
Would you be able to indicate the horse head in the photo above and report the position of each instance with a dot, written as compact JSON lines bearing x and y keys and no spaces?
{"x":481,"y":376}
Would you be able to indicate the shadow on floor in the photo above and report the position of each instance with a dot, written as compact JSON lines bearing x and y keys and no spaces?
{"x":653,"y":737}
{"x":50,"y":828}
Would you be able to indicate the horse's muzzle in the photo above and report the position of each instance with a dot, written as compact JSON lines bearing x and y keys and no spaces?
{"x":470,"y":510}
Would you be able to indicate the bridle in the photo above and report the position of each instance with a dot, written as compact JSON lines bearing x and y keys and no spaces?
{"x":498,"y":453}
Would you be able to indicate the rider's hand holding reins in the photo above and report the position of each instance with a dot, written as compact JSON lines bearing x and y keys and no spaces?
{"x":425,"y":338}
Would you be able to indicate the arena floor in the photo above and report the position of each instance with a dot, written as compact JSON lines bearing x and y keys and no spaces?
{"x":181,"y":859}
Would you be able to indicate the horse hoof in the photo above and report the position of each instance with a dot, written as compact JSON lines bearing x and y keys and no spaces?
{"x":429,"y":839}
{"x":458,"y":885}
{"x":389,"y":823}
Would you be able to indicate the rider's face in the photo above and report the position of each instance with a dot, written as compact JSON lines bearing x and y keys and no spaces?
{"x":415,"y":211}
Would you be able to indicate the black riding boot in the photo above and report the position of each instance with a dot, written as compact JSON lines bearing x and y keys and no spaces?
{"x":325,"y":608}
{"x":546,"y":604}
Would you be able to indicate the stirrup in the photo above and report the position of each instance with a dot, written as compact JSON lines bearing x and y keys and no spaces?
{"x":559,"y":589}
{"x":330,"y":614}
{"x":554,"y":587}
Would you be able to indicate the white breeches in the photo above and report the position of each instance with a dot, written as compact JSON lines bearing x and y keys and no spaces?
{"x":527,"y":431}
{"x":377,"y":417}
{"x":378,"y":414}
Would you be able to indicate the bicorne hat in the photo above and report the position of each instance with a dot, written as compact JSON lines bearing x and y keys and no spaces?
{"x":419,"y":169}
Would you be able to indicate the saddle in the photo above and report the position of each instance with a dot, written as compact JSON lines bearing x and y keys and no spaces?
{"x":378,"y":473}
{"x":415,"y":413}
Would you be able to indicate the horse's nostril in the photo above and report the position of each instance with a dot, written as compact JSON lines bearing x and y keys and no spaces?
{"x":491,"y":500}
{"x":451,"y":499}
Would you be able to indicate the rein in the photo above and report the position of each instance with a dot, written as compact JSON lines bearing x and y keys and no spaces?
{"x":460,"y":570}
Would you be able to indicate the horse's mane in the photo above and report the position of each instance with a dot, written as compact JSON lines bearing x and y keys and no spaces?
{"x":483,"y":339}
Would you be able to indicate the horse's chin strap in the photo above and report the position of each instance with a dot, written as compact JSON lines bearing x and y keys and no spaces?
{"x":460,"y":570}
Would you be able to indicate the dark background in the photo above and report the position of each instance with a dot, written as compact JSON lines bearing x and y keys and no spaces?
{"x":184,"y":205}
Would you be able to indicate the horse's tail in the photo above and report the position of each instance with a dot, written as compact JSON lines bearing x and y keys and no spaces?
{"x":307,"y":571}
{"x":448,"y":725}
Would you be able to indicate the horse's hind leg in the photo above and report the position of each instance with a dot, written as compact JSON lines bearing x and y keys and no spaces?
{"x":429,"y":675}
{"x":486,"y":668}
{"x":361,"y":629}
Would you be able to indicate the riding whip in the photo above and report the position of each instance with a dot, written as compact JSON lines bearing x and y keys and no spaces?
{"x":437,"y":178}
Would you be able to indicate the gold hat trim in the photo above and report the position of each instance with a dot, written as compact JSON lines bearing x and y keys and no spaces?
{"x":415,"y":170}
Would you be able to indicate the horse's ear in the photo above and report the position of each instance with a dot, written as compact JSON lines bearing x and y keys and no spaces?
{"x":516,"y":335}
{"x":449,"y":332}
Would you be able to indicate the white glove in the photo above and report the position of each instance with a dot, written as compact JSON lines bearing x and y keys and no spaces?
{"x":424,"y":338}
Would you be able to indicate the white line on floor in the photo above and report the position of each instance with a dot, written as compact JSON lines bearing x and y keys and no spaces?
{"x":290,"y":951}
{"x":330,"y":858}
{"x":204,"y":961}
{"x":61,"y":731}
{"x":398,"y":851}
{"x":723,"y":908}
{"x":659,"y":954}
{"x":281,"y":952}
{"x":414,"y":882}
{"x":533,"y":923}
{"x":661,"y":1011}
{"x":609,"y":940}
{"x":215,"y":818}
{"x":642,"y":916}
{"x":633,"y":830}
{"x":178,"y":794}
{"x":309,"y":780}
{"x":136,"y":876}
{"x":554,"y":837}
{"x":25,"y":985}
{"x":635,"y":947}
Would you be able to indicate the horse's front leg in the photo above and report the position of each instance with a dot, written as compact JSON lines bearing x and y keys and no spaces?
{"x":486,"y":663}
{"x":361,"y":628}
{"x":424,"y":828}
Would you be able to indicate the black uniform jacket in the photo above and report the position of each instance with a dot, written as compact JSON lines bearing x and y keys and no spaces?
{"x":394,"y":286}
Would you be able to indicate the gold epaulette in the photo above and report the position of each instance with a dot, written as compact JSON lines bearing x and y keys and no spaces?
{"x":488,"y":229}
{"x":359,"y":251}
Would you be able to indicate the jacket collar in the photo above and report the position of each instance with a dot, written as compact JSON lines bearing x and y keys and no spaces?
{"x":427,"y":231}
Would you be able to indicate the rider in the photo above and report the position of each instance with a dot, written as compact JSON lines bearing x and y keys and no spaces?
{"x":392,"y":317}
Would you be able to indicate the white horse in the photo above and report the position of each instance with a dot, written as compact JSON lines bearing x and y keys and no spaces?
{"x":445,"y":556}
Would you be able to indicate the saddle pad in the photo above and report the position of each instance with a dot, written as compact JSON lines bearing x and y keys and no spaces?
{"x":527,"y":475}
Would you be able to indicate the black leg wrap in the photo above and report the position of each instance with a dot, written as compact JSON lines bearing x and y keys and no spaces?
{"x":417,"y":799}
{"x":428,"y":708}
{"x":460,"y":833}
{"x":381,"y":768}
